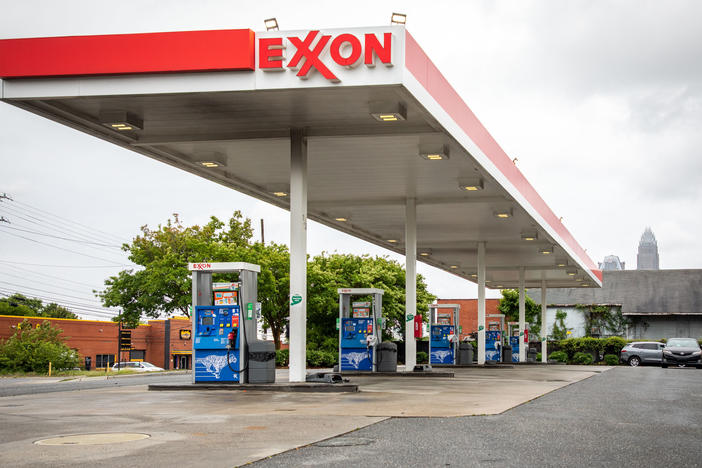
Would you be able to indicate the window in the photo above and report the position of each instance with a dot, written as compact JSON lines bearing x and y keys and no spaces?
{"x":639,"y":346}
{"x":653,"y":346}
{"x":104,"y":360}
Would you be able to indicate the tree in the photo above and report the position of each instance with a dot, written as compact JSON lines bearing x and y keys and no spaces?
{"x":31,"y":349}
{"x":509,"y":305}
{"x":20,"y":305}
{"x":163,"y":285}
{"x":327,"y":273}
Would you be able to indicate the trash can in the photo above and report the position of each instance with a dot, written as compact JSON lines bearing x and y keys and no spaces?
{"x":261,"y":362}
{"x":465,"y":354}
{"x":531,"y":355}
{"x":387,"y":357}
{"x":507,"y":354}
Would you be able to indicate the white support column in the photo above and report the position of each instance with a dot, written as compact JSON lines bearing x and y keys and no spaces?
{"x":544,"y":327}
{"x":298,"y":256}
{"x":481,"y":303}
{"x":410,"y":282}
{"x":522,"y":318}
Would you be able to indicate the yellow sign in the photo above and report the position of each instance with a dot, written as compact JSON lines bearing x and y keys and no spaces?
{"x":185,"y":334}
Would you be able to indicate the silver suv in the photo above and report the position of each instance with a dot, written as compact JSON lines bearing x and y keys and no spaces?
{"x":642,"y":352}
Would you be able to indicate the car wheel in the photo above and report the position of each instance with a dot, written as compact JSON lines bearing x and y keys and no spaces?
{"x":634,"y":361}
{"x":664,"y":366}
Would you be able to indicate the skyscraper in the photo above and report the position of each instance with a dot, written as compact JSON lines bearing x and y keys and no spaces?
{"x":647,"y":258}
{"x":612,"y":262}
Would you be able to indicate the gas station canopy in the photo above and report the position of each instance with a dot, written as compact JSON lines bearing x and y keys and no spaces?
{"x":382,"y":126}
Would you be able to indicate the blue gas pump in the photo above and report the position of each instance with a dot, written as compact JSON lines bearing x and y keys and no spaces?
{"x":493,"y":345}
{"x":356,"y":346}
{"x":514,"y":343}
{"x":217,"y":343}
{"x":442,"y":351}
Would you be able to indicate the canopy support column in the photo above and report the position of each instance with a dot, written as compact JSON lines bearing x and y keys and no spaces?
{"x":298,"y":256}
{"x":410,"y":282}
{"x":481,"y":303}
{"x":522,"y":318}
{"x":544,"y":327}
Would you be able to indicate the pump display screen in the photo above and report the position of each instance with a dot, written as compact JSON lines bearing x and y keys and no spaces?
{"x":349,"y":327}
{"x":209,"y":320}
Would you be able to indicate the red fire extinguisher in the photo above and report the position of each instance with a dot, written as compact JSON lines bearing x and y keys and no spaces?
{"x":526,"y":336}
{"x":418,"y":322}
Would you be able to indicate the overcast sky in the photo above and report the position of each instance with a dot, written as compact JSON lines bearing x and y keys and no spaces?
{"x":600,"y":101}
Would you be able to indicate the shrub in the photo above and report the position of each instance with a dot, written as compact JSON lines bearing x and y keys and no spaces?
{"x":422,"y":357}
{"x":320,"y":358}
{"x":613,"y":345}
{"x":582,"y":358}
{"x":282,"y":357}
{"x":538,"y":357}
{"x":611,"y":359}
{"x":559,"y":356}
{"x":31,"y":350}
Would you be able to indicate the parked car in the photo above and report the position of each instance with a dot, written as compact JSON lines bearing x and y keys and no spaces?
{"x":682,"y":352}
{"x":137,"y":366}
{"x":642,"y":352}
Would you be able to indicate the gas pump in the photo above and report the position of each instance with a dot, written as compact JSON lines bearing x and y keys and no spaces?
{"x":493,"y":337}
{"x":444,"y":333}
{"x":360,"y":329}
{"x":224,"y":338}
{"x":513,"y":329}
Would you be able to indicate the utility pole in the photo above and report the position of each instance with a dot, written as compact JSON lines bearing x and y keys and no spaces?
{"x":5,"y":196}
{"x":263,"y":237}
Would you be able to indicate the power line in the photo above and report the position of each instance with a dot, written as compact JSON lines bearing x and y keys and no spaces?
{"x":62,"y":248}
{"x":49,"y":292}
{"x":63,"y":303}
{"x":28,"y":279}
{"x":52,"y":276}
{"x":27,"y":205}
{"x":62,"y":238}
{"x":53,"y":226}
{"x":60,"y":266}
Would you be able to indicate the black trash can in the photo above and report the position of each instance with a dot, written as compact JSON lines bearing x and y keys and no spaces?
{"x":261,"y":362}
{"x":465,"y":354}
{"x":387,"y":357}
{"x":507,"y":353}
{"x":531,"y":355}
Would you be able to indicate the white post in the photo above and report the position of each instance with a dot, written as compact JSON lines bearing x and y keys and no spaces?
{"x":410,"y":282}
{"x":481,"y":303}
{"x":522,"y":319}
{"x":298,"y":256}
{"x":544,"y":327}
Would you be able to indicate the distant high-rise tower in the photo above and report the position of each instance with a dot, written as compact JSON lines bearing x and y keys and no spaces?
{"x":647,"y":258}
{"x":612,"y":262}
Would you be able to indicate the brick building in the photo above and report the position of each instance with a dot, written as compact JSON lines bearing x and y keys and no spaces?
{"x":164,"y":343}
{"x":469,"y":312}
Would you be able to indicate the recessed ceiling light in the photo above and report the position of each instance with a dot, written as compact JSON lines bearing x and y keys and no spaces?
{"x":530,"y":235}
{"x":388,"y":112}
{"x":453,"y":267}
{"x":471,"y":185}
{"x":572,"y":272}
{"x":434,"y":153}
{"x":546,"y":250}
{"x":502,"y":214}
{"x":561,"y":262}
{"x":473,"y":275}
{"x":121,"y":120}
{"x":211,"y":159}
{"x":341,"y":219}
{"x":392,"y":241}
{"x":280,"y":194}
{"x":425,"y":252}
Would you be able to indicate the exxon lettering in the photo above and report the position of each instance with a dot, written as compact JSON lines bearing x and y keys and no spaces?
{"x":345,"y":50}
{"x":202,"y":266}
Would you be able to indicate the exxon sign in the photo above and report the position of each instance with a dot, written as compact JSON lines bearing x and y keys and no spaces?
{"x":323,"y":53}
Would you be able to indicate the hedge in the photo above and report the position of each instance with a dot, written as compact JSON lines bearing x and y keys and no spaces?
{"x":314,"y":358}
{"x":582,"y":358}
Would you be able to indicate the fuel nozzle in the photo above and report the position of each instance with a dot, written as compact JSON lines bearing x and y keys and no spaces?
{"x":231,"y":337}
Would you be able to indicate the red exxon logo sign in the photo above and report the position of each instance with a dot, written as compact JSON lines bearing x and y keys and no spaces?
{"x":344,"y":50}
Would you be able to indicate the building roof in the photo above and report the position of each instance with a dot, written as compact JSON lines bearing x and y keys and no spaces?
{"x":640,"y":292}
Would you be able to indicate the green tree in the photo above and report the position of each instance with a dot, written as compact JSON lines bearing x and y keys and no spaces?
{"x":20,"y":305}
{"x":560,"y":332}
{"x":163,"y":284}
{"x":509,"y":305}
{"x":31,"y":349}
{"x":326,"y":273}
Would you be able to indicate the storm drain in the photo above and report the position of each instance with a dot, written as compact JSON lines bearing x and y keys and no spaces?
{"x":344,"y":442}
{"x":93,"y":439}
